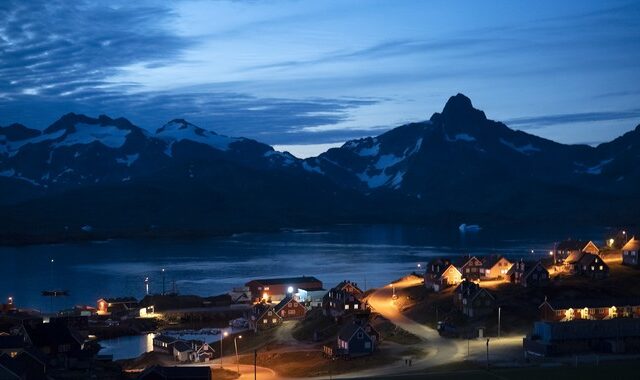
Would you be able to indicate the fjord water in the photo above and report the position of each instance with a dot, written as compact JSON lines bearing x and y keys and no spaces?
{"x":371,"y":255}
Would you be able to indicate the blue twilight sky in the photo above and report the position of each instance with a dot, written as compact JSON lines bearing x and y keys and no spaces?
{"x":305,"y":75}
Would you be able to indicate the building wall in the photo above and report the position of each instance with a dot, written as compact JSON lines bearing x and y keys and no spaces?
{"x":499,"y":270}
{"x":630,"y":257}
{"x":292,"y":310}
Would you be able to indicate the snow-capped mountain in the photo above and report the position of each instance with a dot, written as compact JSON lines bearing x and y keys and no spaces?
{"x":458,"y":166}
{"x":78,"y":150}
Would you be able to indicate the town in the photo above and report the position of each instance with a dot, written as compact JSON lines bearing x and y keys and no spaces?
{"x":579,"y":305}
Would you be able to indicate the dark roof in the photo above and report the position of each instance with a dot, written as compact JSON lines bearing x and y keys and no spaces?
{"x":564,"y":304}
{"x":437,"y":266}
{"x":349,"y":330}
{"x":282,"y":303}
{"x":632,"y":245}
{"x":571,"y":245}
{"x":11,"y":341}
{"x":23,"y":365}
{"x":286,"y":280}
{"x":47,"y":334}
{"x":591,"y":329}
{"x":529,"y":267}
{"x":191,"y":372}
{"x":182,"y":346}
{"x":588,"y":258}
{"x":344,"y":283}
{"x":165,"y":338}
{"x":11,"y":366}
{"x":260,"y":309}
{"x":121,"y":300}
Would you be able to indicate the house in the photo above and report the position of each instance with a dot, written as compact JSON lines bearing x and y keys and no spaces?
{"x":593,"y":266}
{"x":202,"y":352}
{"x":558,"y":338}
{"x":564,"y":249}
{"x":263,"y":317}
{"x":176,"y":373}
{"x":441,"y":273}
{"x":164,"y":344}
{"x":182,"y":351}
{"x":603,"y":308}
{"x":289,"y":308}
{"x":353,"y":341}
{"x":56,"y":340}
{"x":472,"y":300}
{"x":11,"y":345}
{"x":495,"y":267}
{"x":275,"y":289}
{"x":631,"y":252}
{"x":528,"y":274}
{"x":117,"y":306}
{"x":343,"y":299}
{"x":471,"y":268}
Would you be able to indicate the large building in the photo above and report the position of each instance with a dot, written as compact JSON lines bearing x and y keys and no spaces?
{"x":558,"y":338}
{"x":276,"y":289}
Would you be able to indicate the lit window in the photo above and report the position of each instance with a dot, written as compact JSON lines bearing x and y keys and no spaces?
{"x":601,"y":267}
{"x":274,"y":320}
{"x":355,"y":306}
{"x":346,"y":307}
{"x":264,"y":321}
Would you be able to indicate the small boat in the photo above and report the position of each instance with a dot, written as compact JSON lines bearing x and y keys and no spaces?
{"x":469,"y":228}
{"x":55,"y":293}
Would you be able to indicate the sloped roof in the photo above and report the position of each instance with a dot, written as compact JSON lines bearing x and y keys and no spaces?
{"x":282,"y":303}
{"x":588,"y":258}
{"x":632,"y":245}
{"x":182,"y":346}
{"x":574,"y":257}
{"x":491,"y":260}
{"x":48,"y":334}
{"x":530,"y":266}
{"x":571,"y":245}
{"x":11,"y":341}
{"x":349,"y":330}
{"x":165,"y":338}
{"x":121,"y":300}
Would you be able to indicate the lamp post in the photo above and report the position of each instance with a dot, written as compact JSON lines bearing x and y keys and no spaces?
{"x":499,"y":309}
{"x":163,"y":281}
{"x":224,"y":335}
{"x":624,"y":234}
{"x":146,"y":285}
{"x":235,"y":343}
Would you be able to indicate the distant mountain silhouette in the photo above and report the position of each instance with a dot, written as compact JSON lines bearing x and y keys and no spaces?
{"x":181,"y":179}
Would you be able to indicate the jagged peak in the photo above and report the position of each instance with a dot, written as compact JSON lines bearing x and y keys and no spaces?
{"x":182,"y":124}
{"x":17,"y":131}
{"x":71,"y":119}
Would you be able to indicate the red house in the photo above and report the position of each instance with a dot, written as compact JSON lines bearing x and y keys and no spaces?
{"x":604,"y":308}
{"x":289,"y":308}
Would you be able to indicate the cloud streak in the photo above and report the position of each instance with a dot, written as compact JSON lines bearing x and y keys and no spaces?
{"x":535,"y":122}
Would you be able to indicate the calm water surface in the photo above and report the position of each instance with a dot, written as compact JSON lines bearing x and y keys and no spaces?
{"x":371,"y":255}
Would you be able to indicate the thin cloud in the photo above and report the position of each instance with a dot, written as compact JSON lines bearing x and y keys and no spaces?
{"x":535,"y":122}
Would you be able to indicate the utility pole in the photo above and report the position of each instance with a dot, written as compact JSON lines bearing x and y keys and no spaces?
{"x":255,"y":365}
{"x":235,"y":343}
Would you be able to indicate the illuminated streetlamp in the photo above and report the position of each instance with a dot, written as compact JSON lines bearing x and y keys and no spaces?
{"x":163,"y":281}
{"x":224,"y":335}
{"x":146,"y":285}
{"x":235,"y":343}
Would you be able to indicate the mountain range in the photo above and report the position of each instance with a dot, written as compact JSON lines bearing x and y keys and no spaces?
{"x":86,"y":178}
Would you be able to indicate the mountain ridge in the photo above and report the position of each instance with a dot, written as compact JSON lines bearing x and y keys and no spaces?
{"x":458,"y":166}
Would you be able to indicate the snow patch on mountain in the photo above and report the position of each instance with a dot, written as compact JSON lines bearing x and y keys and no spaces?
{"x":369,"y":151}
{"x":179,"y":130}
{"x":7,"y":173}
{"x":460,"y":137}
{"x":129,"y":159}
{"x":374,"y":181}
{"x":107,"y":135}
{"x":308,"y":167}
{"x":524,"y":149}
{"x":12,"y":147}
{"x":592,"y":170}
{"x":285,"y":157}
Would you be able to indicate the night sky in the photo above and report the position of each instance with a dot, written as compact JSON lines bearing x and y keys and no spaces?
{"x":321,"y":72}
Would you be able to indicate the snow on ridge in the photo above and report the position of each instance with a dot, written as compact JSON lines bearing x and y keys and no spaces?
{"x":460,"y":137}
{"x":12,"y":147}
{"x":593,"y":170}
{"x":525,"y":149}
{"x":374,"y":181}
{"x":8,"y":173}
{"x":11,"y":173}
{"x":186,"y":131}
{"x":108,"y":135}
{"x":129,"y":159}
{"x":387,"y":160}
{"x":369,"y":152}
{"x":315,"y":169}
{"x":287,"y":158}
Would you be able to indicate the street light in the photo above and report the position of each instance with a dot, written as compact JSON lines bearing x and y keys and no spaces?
{"x":224,"y":335}
{"x":235,"y":343}
{"x":499,"y":309}
{"x":163,"y":281}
